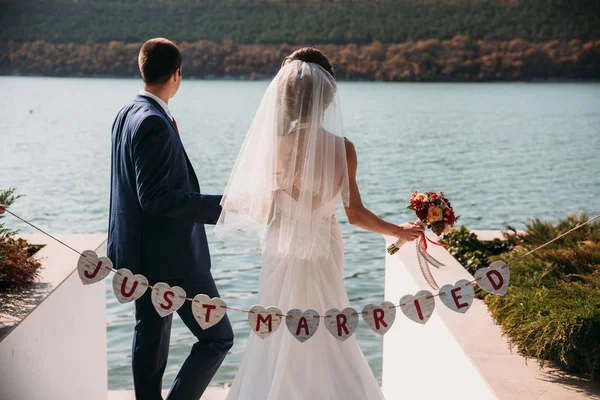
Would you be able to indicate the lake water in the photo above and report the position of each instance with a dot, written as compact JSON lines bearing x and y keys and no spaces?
{"x":501,"y":152}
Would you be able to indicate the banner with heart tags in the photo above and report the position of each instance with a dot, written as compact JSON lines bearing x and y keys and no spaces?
{"x":459,"y":297}
{"x":264,"y":322}
{"x":303,"y":325}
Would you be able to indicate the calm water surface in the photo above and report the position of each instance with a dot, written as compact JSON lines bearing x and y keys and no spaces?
{"x":501,"y":152}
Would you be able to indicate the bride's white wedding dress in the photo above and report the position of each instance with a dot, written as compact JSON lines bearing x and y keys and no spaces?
{"x":280,"y":367}
{"x":290,"y":174}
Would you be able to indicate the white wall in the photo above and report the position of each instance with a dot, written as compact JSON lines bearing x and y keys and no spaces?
{"x":59,"y":350}
{"x":425,"y":361}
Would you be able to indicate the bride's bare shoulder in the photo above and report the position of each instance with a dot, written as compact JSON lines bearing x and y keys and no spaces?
{"x":351,"y":158}
{"x":350,"y":150}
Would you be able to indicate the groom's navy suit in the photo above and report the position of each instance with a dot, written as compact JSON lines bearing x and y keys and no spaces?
{"x":156,"y":228}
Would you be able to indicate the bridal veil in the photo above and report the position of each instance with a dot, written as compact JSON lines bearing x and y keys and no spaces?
{"x":291,"y":166}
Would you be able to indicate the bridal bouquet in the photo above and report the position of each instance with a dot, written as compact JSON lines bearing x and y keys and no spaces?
{"x":433,"y":211}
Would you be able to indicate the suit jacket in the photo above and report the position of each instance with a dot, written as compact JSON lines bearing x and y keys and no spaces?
{"x":157,"y":213}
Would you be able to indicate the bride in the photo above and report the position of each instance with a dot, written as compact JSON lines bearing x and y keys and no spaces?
{"x":292,"y":169}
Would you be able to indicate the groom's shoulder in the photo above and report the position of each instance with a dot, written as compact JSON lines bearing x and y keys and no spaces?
{"x":137,"y":119}
{"x":139,"y":112}
{"x":140,"y":105}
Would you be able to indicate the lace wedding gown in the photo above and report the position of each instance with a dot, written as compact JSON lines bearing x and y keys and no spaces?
{"x":287,"y":180}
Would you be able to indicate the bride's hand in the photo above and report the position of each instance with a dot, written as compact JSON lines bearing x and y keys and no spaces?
{"x":409,"y":231}
{"x":2,"y":209}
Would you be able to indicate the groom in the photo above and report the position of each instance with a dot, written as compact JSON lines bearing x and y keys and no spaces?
{"x":156,"y":228}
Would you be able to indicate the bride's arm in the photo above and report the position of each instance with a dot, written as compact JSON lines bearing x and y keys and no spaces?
{"x":362,"y":217}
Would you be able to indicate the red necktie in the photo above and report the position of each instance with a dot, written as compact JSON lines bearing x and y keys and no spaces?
{"x":175,"y":124}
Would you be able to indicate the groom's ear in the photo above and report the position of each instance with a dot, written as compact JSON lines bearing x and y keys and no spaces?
{"x":176,"y":75}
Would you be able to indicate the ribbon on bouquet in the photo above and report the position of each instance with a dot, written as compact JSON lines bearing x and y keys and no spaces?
{"x":425,"y":259}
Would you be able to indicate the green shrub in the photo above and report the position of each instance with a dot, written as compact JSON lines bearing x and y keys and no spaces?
{"x":551,"y":310}
{"x":7,"y":197}
{"x":473,"y":253}
{"x":17,"y":267}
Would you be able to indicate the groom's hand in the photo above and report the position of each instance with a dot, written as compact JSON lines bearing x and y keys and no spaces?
{"x":2,"y":209}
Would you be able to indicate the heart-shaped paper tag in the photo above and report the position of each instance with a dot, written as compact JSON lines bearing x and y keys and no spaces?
{"x":380,"y":318}
{"x":302,"y":325}
{"x":341,"y":324}
{"x":91,"y":268}
{"x":458,"y":297}
{"x":495,"y":278}
{"x":208,"y":311}
{"x":419,"y":307}
{"x":264,"y":321}
{"x":127,"y":286}
{"x":167,"y":299}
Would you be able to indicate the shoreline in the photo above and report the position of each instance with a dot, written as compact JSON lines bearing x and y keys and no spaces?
{"x":267,"y":77}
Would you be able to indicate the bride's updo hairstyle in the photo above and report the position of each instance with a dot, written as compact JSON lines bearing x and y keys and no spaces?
{"x":310,"y":55}
{"x":297,"y":84}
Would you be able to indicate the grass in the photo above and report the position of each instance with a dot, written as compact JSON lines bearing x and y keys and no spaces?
{"x":551,"y":310}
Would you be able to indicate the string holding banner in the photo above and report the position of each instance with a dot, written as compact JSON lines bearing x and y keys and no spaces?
{"x":264,"y":321}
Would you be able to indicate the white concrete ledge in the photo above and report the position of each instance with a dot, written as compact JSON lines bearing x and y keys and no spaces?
{"x":58,"y":349}
{"x":460,"y":355}
{"x":489,"y":235}
{"x":423,"y":361}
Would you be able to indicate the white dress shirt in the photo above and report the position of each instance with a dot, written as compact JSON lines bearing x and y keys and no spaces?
{"x":158,"y":100}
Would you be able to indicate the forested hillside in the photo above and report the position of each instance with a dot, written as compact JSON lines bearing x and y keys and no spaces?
{"x":393,"y":40}
{"x":455,"y":60}
{"x":315,"y":22}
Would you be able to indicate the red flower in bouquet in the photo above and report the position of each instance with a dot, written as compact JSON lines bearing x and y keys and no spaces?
{"x":449,"y":216}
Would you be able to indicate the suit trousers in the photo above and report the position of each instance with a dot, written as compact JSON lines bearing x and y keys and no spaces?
{"x":151,"y":345}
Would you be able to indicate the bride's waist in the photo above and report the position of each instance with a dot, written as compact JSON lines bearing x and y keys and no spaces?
{"x":324,"y":227}
{"x":303,"y":216}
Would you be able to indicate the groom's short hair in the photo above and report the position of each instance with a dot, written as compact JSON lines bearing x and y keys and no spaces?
{"x":158,"y":60}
